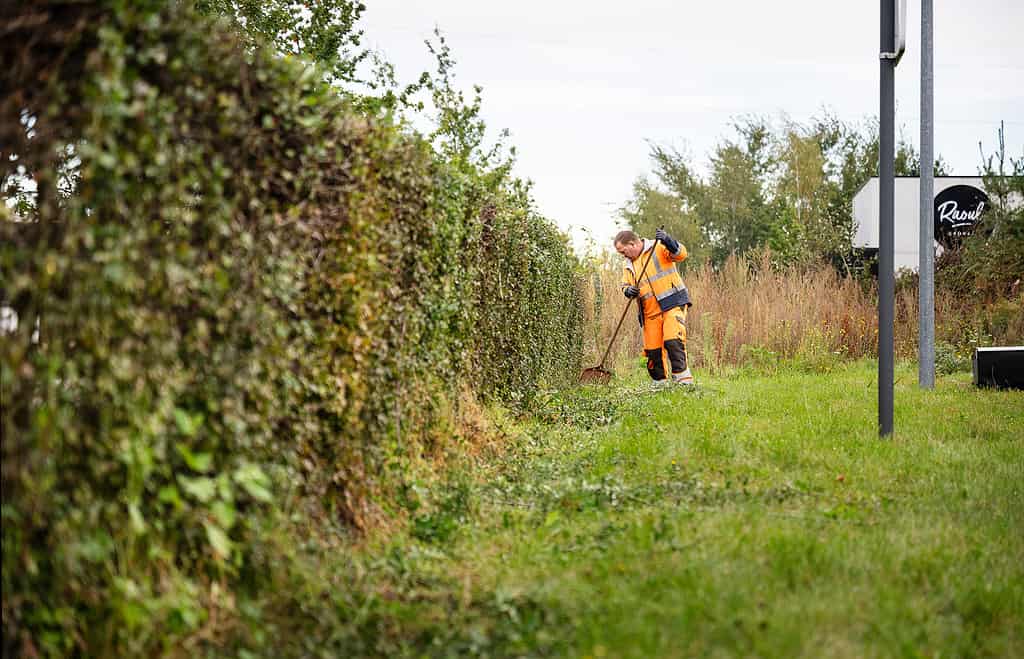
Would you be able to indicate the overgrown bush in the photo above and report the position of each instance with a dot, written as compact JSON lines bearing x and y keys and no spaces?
{"x":247,"y":294}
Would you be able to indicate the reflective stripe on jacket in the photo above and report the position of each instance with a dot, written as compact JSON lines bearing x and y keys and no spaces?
{"x":661,"y":286}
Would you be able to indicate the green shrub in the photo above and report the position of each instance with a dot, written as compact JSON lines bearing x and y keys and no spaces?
{"x":949,"y":360}
{"x":251,"y":299}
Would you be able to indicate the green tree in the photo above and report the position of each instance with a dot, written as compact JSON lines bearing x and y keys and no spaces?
{"x":323,"y":31}
{"x":735,"y":211}
{"x":788,"y":189}
{"x":460,"y":133}
{"x":850,"y":160}
{"x":650,"y":208}
{"x":990,"y":263}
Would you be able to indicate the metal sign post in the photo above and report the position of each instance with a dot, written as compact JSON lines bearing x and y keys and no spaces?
{"x":893,"y":43}
{"x":926,"y":248}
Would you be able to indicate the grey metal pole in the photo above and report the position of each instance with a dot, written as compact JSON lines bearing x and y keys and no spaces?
{"x":886,"y":184}
{"x":926,"y":264}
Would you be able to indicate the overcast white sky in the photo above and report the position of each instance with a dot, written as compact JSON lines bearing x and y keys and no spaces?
{"x":583,"y":85}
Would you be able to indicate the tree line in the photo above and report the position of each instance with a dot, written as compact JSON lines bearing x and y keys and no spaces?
{"x":786,"y":188}
{"x":782,"y":186}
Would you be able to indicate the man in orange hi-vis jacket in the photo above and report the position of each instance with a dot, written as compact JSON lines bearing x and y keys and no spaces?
{"x":664,"y":300}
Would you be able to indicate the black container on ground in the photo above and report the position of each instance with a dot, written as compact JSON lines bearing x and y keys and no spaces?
{"x":999,"y":367}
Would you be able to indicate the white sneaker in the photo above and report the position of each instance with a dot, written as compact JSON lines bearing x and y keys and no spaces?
{"x":657,"y":385}
{"x":686,"y":377}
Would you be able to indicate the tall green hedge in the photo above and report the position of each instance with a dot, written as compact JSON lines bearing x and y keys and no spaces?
{"x":248,"y":296}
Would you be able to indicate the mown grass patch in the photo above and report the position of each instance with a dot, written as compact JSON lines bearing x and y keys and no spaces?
{"x":754,"y":515}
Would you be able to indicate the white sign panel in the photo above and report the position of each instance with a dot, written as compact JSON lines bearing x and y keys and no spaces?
{"x":906,"y":216}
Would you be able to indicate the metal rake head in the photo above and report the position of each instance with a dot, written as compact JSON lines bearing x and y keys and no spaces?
{"x":596,"y":375}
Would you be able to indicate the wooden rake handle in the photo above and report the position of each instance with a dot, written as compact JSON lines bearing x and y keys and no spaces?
{"x":615,"y":334}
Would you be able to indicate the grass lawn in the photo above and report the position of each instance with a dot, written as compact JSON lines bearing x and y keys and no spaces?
{"x":758,"y":515}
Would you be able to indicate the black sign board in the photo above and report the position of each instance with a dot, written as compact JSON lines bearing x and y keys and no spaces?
{"x":958,"y":210}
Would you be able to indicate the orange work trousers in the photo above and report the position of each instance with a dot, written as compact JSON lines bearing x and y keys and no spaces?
{"x":665,"y":342}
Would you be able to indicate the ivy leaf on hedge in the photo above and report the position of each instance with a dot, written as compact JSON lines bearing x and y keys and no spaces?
{"x":115,"y":272}
{"x":201,"y":487}
{"x":200,"y":462}
{"x":169,"y":494}
{"x":135,"y":515}
{"x":254,"y":481}
{"x":95,"y":548}
{"x":188,"y":424}
{"x":218,"y":540}
{"x":224,"y":512}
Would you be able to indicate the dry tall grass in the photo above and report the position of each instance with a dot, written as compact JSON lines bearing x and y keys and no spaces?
{"x":605,"y":304}
{"x":746,"y":312}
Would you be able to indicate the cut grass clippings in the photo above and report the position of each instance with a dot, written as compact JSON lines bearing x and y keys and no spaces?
{"x":753,"y":515}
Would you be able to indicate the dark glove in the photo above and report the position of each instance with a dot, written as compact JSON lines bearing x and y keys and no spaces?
{"x":668,"y":241}
{"x":631,"y":292}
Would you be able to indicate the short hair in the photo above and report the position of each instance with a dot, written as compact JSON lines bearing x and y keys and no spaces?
{"x":626,"y":236}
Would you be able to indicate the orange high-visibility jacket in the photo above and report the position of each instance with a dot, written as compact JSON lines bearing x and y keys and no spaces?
{"x":661,"y":286}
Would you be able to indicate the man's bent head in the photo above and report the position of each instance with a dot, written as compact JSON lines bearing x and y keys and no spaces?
{"x":628,"y":244}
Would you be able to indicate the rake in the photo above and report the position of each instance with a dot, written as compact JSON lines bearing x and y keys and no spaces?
{"x":599,"y":374}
